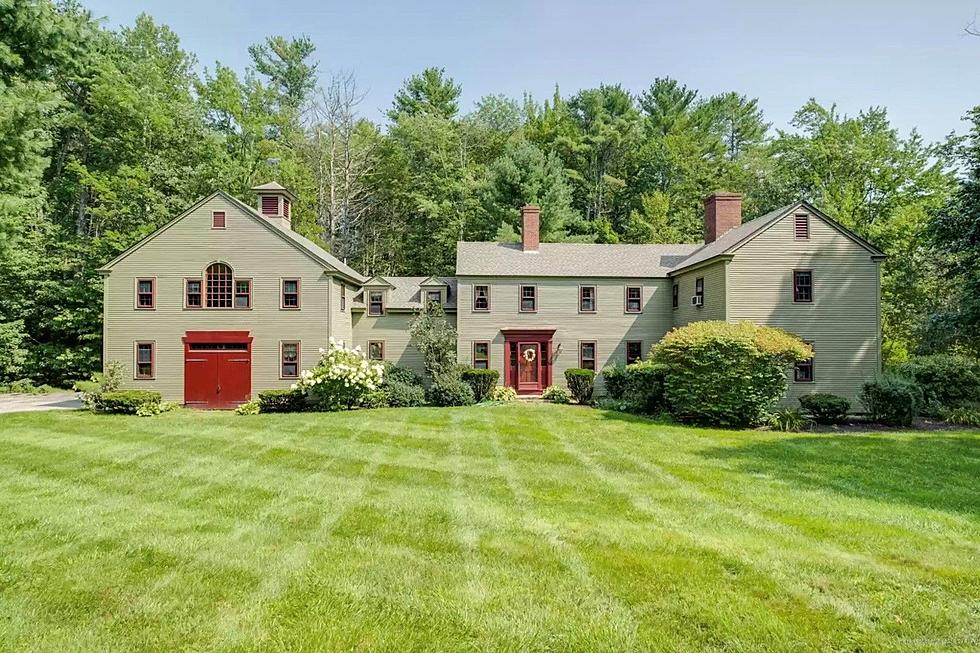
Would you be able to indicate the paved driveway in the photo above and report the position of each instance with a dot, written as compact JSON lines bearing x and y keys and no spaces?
{"x":54,"y":401}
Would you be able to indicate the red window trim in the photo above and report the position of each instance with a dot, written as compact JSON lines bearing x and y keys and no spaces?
{"x":343,"y":297}
{"x":520,"y":298}
{"x":234,"y":293}
{"x":481,"y":310}
{"x":675,"y":296}
{"x":376,"y":342}
{"x":481,"y":342}
{"x":201,"y":293}
{"x":640,"y":356}
{"x":796,"y":226}
{"x":369,"y":303}
{"x":153,"y":360}
{"x":802,"y":301}
{"x":595,"y":299}
{"x":153,"y":294}
{"x":595,"y":354}
{"x":626,"y":300}
{"x":699,"y":293}
{"x":282,"y":294}
{"x":813,"y":375}
{"x":204,"y":287}
{"x":299,"y":358}
{"x":214,"y":220}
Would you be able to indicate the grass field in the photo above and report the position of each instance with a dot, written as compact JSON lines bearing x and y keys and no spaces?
{"x":510,"y":527}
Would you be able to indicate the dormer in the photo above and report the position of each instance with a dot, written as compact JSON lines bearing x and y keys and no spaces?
{"x":275,"y":203}
{"x":376,"y":295}
{"x":433,"y":290}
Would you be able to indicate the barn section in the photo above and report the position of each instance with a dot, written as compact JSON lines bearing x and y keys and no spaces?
{"x":254,"y":248}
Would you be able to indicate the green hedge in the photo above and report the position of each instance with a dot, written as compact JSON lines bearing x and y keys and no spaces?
{"x":825,"y":408}
{"x":581,"y":383}
{"x":643,"y":387}
{"x":724,"y":374}
{"x":403,"y":395}
{"x":614,"y":378}
{"x":400,"y":374}
{"x":946,"y":380}
{"x":450,"y":391}
{"x":481,"y":381}
{"x":557,"y":395}
{"x":282,"y":400}
{"x":129,"y":402}
{"x":893,"y":399}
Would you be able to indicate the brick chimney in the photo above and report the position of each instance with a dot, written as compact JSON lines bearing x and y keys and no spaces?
{"x":530,"y":231}
{"x":275,"y":203}
{"x":722,"y":213}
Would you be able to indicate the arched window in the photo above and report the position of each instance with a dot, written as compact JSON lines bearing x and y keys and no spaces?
{"x":219,"y":286}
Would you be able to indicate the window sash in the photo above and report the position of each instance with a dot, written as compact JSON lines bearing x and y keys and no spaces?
{"x":481,"y":298}
{"x":481,"y":355}
{"x":243,"y":293}
{"x":343,"y":297}
{"x":289,"y":359}
{"x":193,"y":296}
{"x":586,"y":299}
{"x":145,"y":359}
{"x":803,"y":286}
{"x":529,"y":299}
{"x":146,"y":293}
{"x":290,"y":293}
{"x":634,"y":299}
{"x":376,"y":350}
{"x":219,"y":287}
{"x":637,"y":351}
{"x":587,"y":355}
{"x":433,"y":296}
{"x":376,"y":303}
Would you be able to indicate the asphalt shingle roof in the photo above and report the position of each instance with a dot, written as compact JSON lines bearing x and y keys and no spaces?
{"x":405,"y":293}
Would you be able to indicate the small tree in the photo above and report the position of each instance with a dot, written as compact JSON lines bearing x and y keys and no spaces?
{"x":435,"y":339}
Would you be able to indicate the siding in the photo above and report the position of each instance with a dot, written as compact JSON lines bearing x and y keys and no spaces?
{"x":610,"y":327}
{"x":715,"y":295}
{"x":392,"y":329}
{"x":843,"y":321}
{"x":341,"y":323}
{"x":185,"y":250}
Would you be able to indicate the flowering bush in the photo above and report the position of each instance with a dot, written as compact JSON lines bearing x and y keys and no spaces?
{"x":342,"y":379}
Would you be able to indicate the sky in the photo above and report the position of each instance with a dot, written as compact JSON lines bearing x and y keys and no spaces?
{"x":910,"y":56}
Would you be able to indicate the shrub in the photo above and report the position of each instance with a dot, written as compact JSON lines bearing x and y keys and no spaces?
{"x":614,"y":378}
{"x":401,"y":374}
{"x":893,"y":399}
{"x":451,"y":391}
{"x":404,"y":395}
{"x":946,"y":380}
{"x":129,"y":402}
{"x":101,"y":382}
{"x":248,"y":408}
{"x":962,"y":415}
{"x":482,"y":381}
{"x":825,"y":408}
{"x":719,"y":373}
{"x":341,"y":379}
{"x":375,"y":399}
{"x":581,"y":383}
{"x":25,"y":387}
{"x":435,"y":339}
{"x":503,"y":393}
{"x":643,"y":387}
{"x":557,"y":395}
{"x":789,"y":420}
{"x":281,"y":400}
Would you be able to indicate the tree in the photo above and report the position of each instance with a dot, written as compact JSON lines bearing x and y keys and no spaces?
{"x":435,"y":338}
{"x":285,"y":62}
{"x":430,"y":92}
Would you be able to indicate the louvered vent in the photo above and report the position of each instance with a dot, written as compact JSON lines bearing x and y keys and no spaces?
{"x":270,"y":205}
{"x":802,"y":227}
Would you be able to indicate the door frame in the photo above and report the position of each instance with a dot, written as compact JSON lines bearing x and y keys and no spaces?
{"x":198,"y":337}
{"x":536,"y":387}
{"x":514,"y":338}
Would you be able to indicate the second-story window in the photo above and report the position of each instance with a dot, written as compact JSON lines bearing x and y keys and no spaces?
{"x":290,"y":293}
{"x":376,"y":302}
{"x":586,"y":299}
{"x":699,"y":291}
{"x":481,"y":298}
{"x":218,"y":289}
{"x":675,"y":296}
{"x":433,"y":297}
{"x":192,"y":295}
{"x":243,"y":293}
{"x":634,"y":299}
{"x":529,"y":299}
{"x":802,"y":286}
{"x":343,"y":297}
{"x":146,"y":295}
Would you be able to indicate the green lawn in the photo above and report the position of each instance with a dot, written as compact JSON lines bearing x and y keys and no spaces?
{"x":511,"y":527}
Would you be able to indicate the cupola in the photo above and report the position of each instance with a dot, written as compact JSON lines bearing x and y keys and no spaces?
{"x":275,"y":203}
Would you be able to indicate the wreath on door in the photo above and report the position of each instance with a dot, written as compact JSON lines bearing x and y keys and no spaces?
{"x":529,"y":355}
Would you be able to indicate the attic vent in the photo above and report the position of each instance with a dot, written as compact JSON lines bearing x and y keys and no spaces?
{"x":802,"y":227}
{"x":270,"y":205}
{"x":285,"y":207}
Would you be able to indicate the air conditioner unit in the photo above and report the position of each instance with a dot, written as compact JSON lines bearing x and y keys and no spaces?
{"x":697,"y":300}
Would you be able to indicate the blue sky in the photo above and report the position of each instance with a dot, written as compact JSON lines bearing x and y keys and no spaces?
{"x":908,"y":55}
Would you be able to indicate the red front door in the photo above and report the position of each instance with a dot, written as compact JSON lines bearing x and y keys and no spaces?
{"x":529,"y":367}
{"x":217,"y":369}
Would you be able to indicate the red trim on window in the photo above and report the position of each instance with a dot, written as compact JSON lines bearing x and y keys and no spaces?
{"x":282,"y":358}
{"x":477,"y":343}
{"x":481,"y":310}
{"x":283,"y":293}
{"x":520,"y":299}
{"x":639,"y":298}
{"x":248,"y":295}
{"x":807,"y":364}
{"x":199,"y":293}
{"x":217,"y":219}
{"x":152,"y":363}
{"x":381,"y":345}
{"x":800,"y":297}
{"x":380,"y":303}
{"x":595,"y":301}
{"x":151,"y":295}
{"x":595,"y":354}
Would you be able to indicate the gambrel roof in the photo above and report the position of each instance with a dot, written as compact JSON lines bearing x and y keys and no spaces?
{"x":304,"y":245}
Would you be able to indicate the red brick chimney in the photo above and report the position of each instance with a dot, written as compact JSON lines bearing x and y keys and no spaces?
{"x":530,"y":232}
{"x":722,"y":212}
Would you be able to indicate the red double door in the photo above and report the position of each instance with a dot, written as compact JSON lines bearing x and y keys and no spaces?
{"x":217,"y":369}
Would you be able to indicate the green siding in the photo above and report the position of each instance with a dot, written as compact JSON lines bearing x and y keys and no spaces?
{"x":610,"y":326}
{"x":392,"y":329}
{"x":185,"y":250}
{"x":715,"y":294}
{"x":843,"y":322}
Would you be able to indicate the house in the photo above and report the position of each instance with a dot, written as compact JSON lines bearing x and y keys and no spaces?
{"x":227,"y":300}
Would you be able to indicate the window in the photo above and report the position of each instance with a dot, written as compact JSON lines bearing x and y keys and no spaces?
{"x":699,"y":291}
{"x":634,"y":299}
{"x":290,"y":293}
{"x":145,"y":359}
{"x":343,"y":297}
{"x":376,"y":350}
{"x":586,"y":299}
{"x":481,"y":355}
{"x":219,"y":286}
{"x":481,"y":298}
{"x":218,"y":220}
{"x":192,"y":294}
{"x":529,"y":299}
{"x":803,"y":372}
{"x":243,"y":293}
{"x":802,"y":286}
{"x":289,"y":363}
{"x":801,"y":227}
{"x":433,"y":297}
{"x":675,"y":296}
{"x":376,"y":302}
{"x":146,"y":295}
{"x":586,"y":355}
{"x":634,"y":351}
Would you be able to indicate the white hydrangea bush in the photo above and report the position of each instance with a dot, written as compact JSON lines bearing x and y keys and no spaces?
{"x":342,"y":379}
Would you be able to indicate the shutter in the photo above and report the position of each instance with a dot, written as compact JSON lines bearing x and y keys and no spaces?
{"x":270,"y":205}
{"x":802,"y":227}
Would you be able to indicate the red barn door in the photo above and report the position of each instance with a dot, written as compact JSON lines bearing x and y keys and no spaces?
{"x":217,"y":369}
